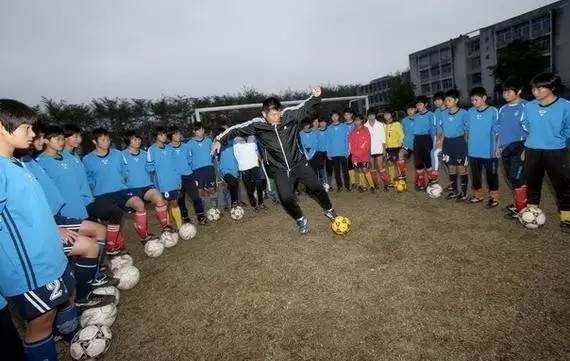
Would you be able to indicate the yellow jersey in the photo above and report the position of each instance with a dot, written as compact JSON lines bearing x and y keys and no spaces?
{"x":394,"y":135}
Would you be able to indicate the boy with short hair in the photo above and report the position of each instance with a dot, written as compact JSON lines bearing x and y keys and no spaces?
{"x":324,"y":168}
{"x":377,"y":146}
{"x":408,"y":143}
{"x":247,"y":157}
{"x":183,"y":161}
{"x":337,"y":151}
{"x":424,"y":132}
{"x":359,"y":144}
{"x":547,"y":120}
{"x":202,"y":166}
{"x":439,"y":111}
{"x":510,"y":143}
{"x":34,"y":272}
{"x":229,"y":170}
{"x":480,"y":126}
{"x":348,"y":119}
{"x":394,"y":142}
{"x":310,"y":141}
{"x":106,"y":172}
{"x":451,"y":139}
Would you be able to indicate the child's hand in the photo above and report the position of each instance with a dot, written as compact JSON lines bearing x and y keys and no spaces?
{"x":316,"y":91}
{"x":216,"y":146}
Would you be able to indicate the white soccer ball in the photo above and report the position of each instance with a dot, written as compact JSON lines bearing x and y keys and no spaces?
{"x":154,"y":248}
{"x":237,"y":213}
{"x":99,"y":316}
{"x":532,"y":217}
{"x":120,"y":262}
{"x":213,"y":214}
{"x":108,"y":290}
{"x":187,"y":231}
{"x":90,"y":343}
{"x":169,"y":239}
{"x":434,"y":191}
{"x":128,"y":277}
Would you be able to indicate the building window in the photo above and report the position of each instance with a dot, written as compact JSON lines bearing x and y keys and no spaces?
{"x":543,"y":43}
{"x":521,"y":31}
{"x":434,"y":58}
{"x":540,"y":25}
{"x":435,"y":86}
{"x":424,"y":75}
{"x":445,"y":55}
{"x":503,"y":37}
{"x":446,"y":69}
{"x":474,"y":63}
{"x":425,"y":88}
{"x":473,"y":48}
{"x":434,"y":71}
{"x":447,"y":84}
{"x":424,"y":61}
{"x":476,"y":79}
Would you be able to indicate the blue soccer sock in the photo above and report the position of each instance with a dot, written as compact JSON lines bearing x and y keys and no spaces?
{"x":85,"y":269}
{"x":42,"y":350}
{"x":67,"y":322}
{"x":214,"y":199}
{"x":226,"y":193}
{"x":100,"y":256}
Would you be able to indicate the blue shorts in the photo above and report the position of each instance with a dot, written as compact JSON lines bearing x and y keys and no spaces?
{"x":204,"y":177}
{"x":393,"y":154}
{"x":119,"y":198}
{"x":48,"y":297}
{"x":172,"y":195}
{"x":68,"y":223}
{"x":140,"y":192}
{"x":454,"y":151}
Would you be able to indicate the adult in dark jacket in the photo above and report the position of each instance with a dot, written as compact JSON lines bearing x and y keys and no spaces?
{"x":277,"y":131}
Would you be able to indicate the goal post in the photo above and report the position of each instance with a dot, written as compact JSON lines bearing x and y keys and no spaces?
{"x":359,"y":99}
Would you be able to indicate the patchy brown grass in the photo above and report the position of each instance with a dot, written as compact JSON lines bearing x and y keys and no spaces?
{"x":417,"y":279}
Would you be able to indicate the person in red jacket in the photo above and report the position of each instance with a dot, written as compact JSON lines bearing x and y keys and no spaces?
{"x":359,"y":145}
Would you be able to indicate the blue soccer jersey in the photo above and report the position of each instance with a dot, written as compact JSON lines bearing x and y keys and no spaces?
{"x":53,"y":196}
{"x":182,"y":158}
{"x":228,"y":163}
{"x":105,"y":174}
{"x":200,"y":151}
{"x":160,"y":161}
{"x":438,"y":114}
{"x":424,"y":123}
{"x":548,"y":126}
{"x":510,"y":124}
{"x":310,"y":142}
{"x":136,"y":169}
{"x":63,"y":172}
{"x":322,"y":140}
{"x":452,"y":125}
{"x":481,"y":125}
{"x":337,"y":140}
{"x":30,"y":247}
{"x":408,"y":128}
{"x":72,"y":158}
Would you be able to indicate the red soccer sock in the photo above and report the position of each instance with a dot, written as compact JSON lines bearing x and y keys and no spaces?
{"x":384,"y":176}
{"x":520,"y":198}
{"x":402,"y":168}
{"x":112,"y":240}
{"x":141,"y":224}
{"x":162,"y":215}
{"x":432,"y":175}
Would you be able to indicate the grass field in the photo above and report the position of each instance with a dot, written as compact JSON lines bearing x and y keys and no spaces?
{"x":417,"y":279}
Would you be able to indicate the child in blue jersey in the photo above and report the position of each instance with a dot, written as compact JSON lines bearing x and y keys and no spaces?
{"x":310,"y":141}
{"x":408,"y":144}
{"x":200,"y":151}
{"x":183,"y":162}
{"x":106,"y":170}
{"x":481,"y":124}
{"x":34,"y":272}
{"x":161,"y":164}
{"x":321,"y":154}
{"x":451,"y":140}
{"x":424,"y":132}
{"x":348,"y":119}
{"x":510,"y":143}
{"x":97,"y":209}
{"x":337,"y":150}
{"x":547,"y":120}
{"x":229,"y":170}
{"x":438,"y":112}
{"x":138,"y":178}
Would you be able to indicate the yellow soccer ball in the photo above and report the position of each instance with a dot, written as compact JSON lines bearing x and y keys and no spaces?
{"x":341,"y":225}
{"x":401,"y":186}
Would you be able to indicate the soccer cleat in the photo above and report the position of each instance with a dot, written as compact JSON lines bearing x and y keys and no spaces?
{"x":262,"y":207}
{"x":330,"y":214}
{"x":302,"y":225}
{"x":385,"y":188}
{"x":104,"y":281}
{"x":492,"y":203}
{"x":93,"y":301}
{"x":242,"y":204}
{"x":510,"y":209}
{"x":461,"y":197}
{"x":339,"y":189}
{"x":202,"y":221}
{"x":348,"y":189}
{"x":449,"y":188}
{"x":361,"y":189}
{"x":451,"y":195}
{"x":170,"y":229}
{"x":150,"y":237}
{"x":186,"y":220}
{"x":372,"y":189}
{"x":565,"y":226}
{"x":113,"y":252}
{"x":475,"y":200}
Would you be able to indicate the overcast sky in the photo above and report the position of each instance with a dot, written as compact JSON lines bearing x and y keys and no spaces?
{"x":78,"y":50}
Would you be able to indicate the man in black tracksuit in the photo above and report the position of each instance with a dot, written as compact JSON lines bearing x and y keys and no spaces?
{"x":278,"y":133}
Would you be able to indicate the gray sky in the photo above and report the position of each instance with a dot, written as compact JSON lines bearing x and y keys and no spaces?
{"x":78,"y":50}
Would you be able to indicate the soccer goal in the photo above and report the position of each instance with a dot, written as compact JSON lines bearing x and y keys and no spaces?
{"x":359,"y":103}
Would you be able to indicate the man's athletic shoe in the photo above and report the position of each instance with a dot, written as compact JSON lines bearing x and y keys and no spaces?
{"x":113,"y":252}
{"x":492,"y":203}
{"x":330,"y":214}
{"x":339,"y":189}
{"x":565,"y":226}
{"x":92,"y":301}
{"x":262,"y":207}
{"x":449,"y":188}
{"x":451,"y":195}
{"x":202,"y":221}
{"x":475,"y":200}
{"x":150,"y":237}
{"x":462,"y":197}
{"x":510,"y":209}
{"x":104,"y":281}
{"x":302,"y":225}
